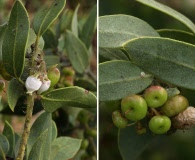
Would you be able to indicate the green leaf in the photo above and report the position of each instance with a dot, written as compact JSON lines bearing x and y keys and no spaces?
{"x":167,"y":59}
{"x":74,"y":24}
{"x":172,"y":92}
{"x":77,"y":52}
{"x":65,"y":20}
{"x":9,"y":133}
{"x":89,"y":27}
{"x":54,"y":131}
{"x":177,"y":35}
{"x":68,"y":97}
{"x":169,"y":11}
{"x":2,"y":154}
{"x":31,"y":38}
{"x":114,"y":30}
{"x":131,"y":145}
{"x":118,"y":79}
{"x":52,"y":60}
{"x":4,"y":143}
{"x":37,"y":149}
{"x":44,"y":18}
{"x":42,"y":123}
{"x":50,"y":39}
{"x":14,"y":92}
{"x":64,"y":148}
{"x":15,"y":40}
{"x":2,"y":31}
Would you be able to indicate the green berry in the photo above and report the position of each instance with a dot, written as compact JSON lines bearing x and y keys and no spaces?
{"x":155,"y":96}
{"x":53,"y":75}
{"x":174,"y":106}
{"x":84,"y":144}
{"x":118,"y":120}
{"x":134,"y":107}
{"x":160,"y":124}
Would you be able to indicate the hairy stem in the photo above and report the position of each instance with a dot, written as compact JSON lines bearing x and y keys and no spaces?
{"x":25,"y":135}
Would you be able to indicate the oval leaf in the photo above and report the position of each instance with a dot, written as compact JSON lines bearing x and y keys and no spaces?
{"x":42,"y":123}
{"x":4,"y":143}
{"x":2,"y":154}
{"x":131,"y":145}
{"x":14,"y":92}
{"x":15,"y":40}
{"x":115,"y":30}
{"x":9,"y":133}
{"x":2,"y":31}
{"x":54,"y":131}
{"x":89,"y":27}
{"x":118,"y":79}
{"x":68,"y":97}
{"x":60,"y":151}
{"x":44,"y":18}
{"x":74,"y":24}
{"x":37,"y":149}
{"x":167,"y":59}
{"x":177,"y":35}
{"x":77,"y":52}
{"x":169,"y":11}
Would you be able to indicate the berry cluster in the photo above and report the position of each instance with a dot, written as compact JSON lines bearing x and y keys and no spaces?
{"x":155,"y":104}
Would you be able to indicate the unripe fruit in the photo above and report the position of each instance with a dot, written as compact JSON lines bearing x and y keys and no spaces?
{"x":160,"y":124}
{"x":118,"y":120}
{"x":53,"y":75}
{"x":68,"y":71}
{"x":2,"y":85}
{"x":84,"y":144}
{"x":155,"y":96}
{"x":174,"y":106}
{"x":92,"y":132}
{"x":83,"y":116}
{"x":134,"y":107}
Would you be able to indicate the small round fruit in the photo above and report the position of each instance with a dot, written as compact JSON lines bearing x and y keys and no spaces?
{"x":155,"y":96}
{"x":134,"y":107}
{"x":174,"y":106}
{"x":84,"y":144}
{"x":160,"y":124}
{"x":53,"y":75}
{"x":118,"y":120}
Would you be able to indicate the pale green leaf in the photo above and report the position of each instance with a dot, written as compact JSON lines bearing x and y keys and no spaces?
{"x":167,"y":59}
{"x":89,"y":27}
{"x":15,"y":40}
{"x":114,"y":30}
{"x":131,"y":145}
{"x":2,"y":154}
{"x":77,"y":52}
{"x":119,"y":78}
{"x":177,"y":35}
{"x":44,"y":18}
{"x":169,"y":11}
{"x":64,"y":148}
{"x":2,"y":31}
{"x":9,"y":133}
{"x":68,"y":97}
{"x":74,"y":24}
{"x":54,"y":131}
{"x":4,"y":143}
{"x":52,"y":60}
{"x":42,"y":123}
{"x":37,"y":149}
{"x":14,"y":92}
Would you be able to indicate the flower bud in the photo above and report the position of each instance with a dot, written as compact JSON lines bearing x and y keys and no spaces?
{"x":53,"y":75}
{"x":45,"y":86}
{"x":32,"y":84}
{"x":2,"y":85}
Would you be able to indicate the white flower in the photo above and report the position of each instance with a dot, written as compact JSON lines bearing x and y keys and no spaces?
{"x":32,"y":84}
{"x":45,"y":86}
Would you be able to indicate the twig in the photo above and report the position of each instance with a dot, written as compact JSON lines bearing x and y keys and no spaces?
{"x":25,"y":135}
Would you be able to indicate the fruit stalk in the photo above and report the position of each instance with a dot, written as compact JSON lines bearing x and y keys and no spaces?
{"x":25,"y":135}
